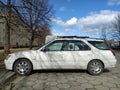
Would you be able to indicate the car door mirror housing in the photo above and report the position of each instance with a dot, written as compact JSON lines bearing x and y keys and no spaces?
{"x":45,"y":49}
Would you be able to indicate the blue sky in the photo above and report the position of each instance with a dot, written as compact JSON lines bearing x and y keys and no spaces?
{"x":84,"y":17}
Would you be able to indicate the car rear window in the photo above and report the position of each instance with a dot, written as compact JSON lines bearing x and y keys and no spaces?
{"x":99,"y":44}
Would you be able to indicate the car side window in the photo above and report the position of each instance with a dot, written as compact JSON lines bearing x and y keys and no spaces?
{"x":83,"y":46}
{"x":67,"y":46}
{"x":77,"y":46}
{"x":55,"y":46}
{"x":71,"y":46}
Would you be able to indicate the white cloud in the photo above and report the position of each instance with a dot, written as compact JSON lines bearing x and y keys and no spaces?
{"x":57,"y":21}
{"x":96,"y":22}
{"x":113,"y":2}
{"x":57,"y":33}
{"x":92,"y":24}
{"x":70,"y":23}
{"x":62,"y":8}
{"x":71,"y":31}
{"x":64,"y":32}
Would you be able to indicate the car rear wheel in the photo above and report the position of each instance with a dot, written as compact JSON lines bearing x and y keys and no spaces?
{"x":23,"y":67}
{"x":95,"y":67}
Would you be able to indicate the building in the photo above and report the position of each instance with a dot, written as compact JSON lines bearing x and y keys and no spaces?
{"x":18,"y":36}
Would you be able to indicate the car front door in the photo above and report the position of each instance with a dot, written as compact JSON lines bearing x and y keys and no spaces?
{"x":55,"y":56}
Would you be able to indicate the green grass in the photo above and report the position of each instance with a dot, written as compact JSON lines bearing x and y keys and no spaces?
{"x":2,"y":56}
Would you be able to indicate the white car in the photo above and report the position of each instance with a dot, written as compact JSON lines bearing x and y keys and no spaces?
{"x":64,"y":52}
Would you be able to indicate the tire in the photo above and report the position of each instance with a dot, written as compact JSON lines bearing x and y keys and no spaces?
{"x":95,"y":67}
{"x":23,"y":67}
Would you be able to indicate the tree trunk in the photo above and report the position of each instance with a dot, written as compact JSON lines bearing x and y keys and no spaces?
{"x":7,"y":40}
{"x":31,"y":41}
{"x":7,"y":29}
{"x":119,"y":45}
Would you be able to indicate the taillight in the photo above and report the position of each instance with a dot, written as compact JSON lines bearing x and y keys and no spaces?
{"x":112,"y":51}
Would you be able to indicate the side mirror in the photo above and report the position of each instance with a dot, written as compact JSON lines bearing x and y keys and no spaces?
{"x":45,"y":49}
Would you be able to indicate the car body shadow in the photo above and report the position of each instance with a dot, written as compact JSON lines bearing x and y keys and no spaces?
{"x":106,"y":71}
{"x":59,"y":71}
{"x":65,"y":71}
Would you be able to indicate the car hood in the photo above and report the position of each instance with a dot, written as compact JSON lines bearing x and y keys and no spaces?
{"x":24,"y":54}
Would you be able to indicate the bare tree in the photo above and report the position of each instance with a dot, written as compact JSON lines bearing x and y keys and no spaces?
{"x":34,"y":14}
{"x":116,"y":29}
{"x":104,"y":33}
{"x":44,"y":30}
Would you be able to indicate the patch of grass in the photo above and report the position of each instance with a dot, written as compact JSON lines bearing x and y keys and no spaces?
{"x":2,"y":56}
{"x":18,"y":49}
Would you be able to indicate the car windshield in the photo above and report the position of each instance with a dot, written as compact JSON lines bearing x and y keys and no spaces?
{"x":99,"y":44}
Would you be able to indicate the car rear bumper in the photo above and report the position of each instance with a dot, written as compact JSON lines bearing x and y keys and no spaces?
{"x":111,"y":64}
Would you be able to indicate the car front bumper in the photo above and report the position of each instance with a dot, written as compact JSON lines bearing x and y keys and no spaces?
{"x":8,"y":64}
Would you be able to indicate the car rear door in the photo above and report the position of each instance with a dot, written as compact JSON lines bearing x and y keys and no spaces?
{"x":80,"y":52}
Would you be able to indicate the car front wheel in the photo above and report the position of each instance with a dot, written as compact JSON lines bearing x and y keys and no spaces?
{"x":23,"y":67}
{"x":95,"y":67}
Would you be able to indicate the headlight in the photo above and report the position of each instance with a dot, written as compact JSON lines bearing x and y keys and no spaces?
{"x":9,"y":55}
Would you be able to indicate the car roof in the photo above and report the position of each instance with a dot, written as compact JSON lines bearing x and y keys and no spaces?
{"x":83,"y":38}
{"x":79,"y":39}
